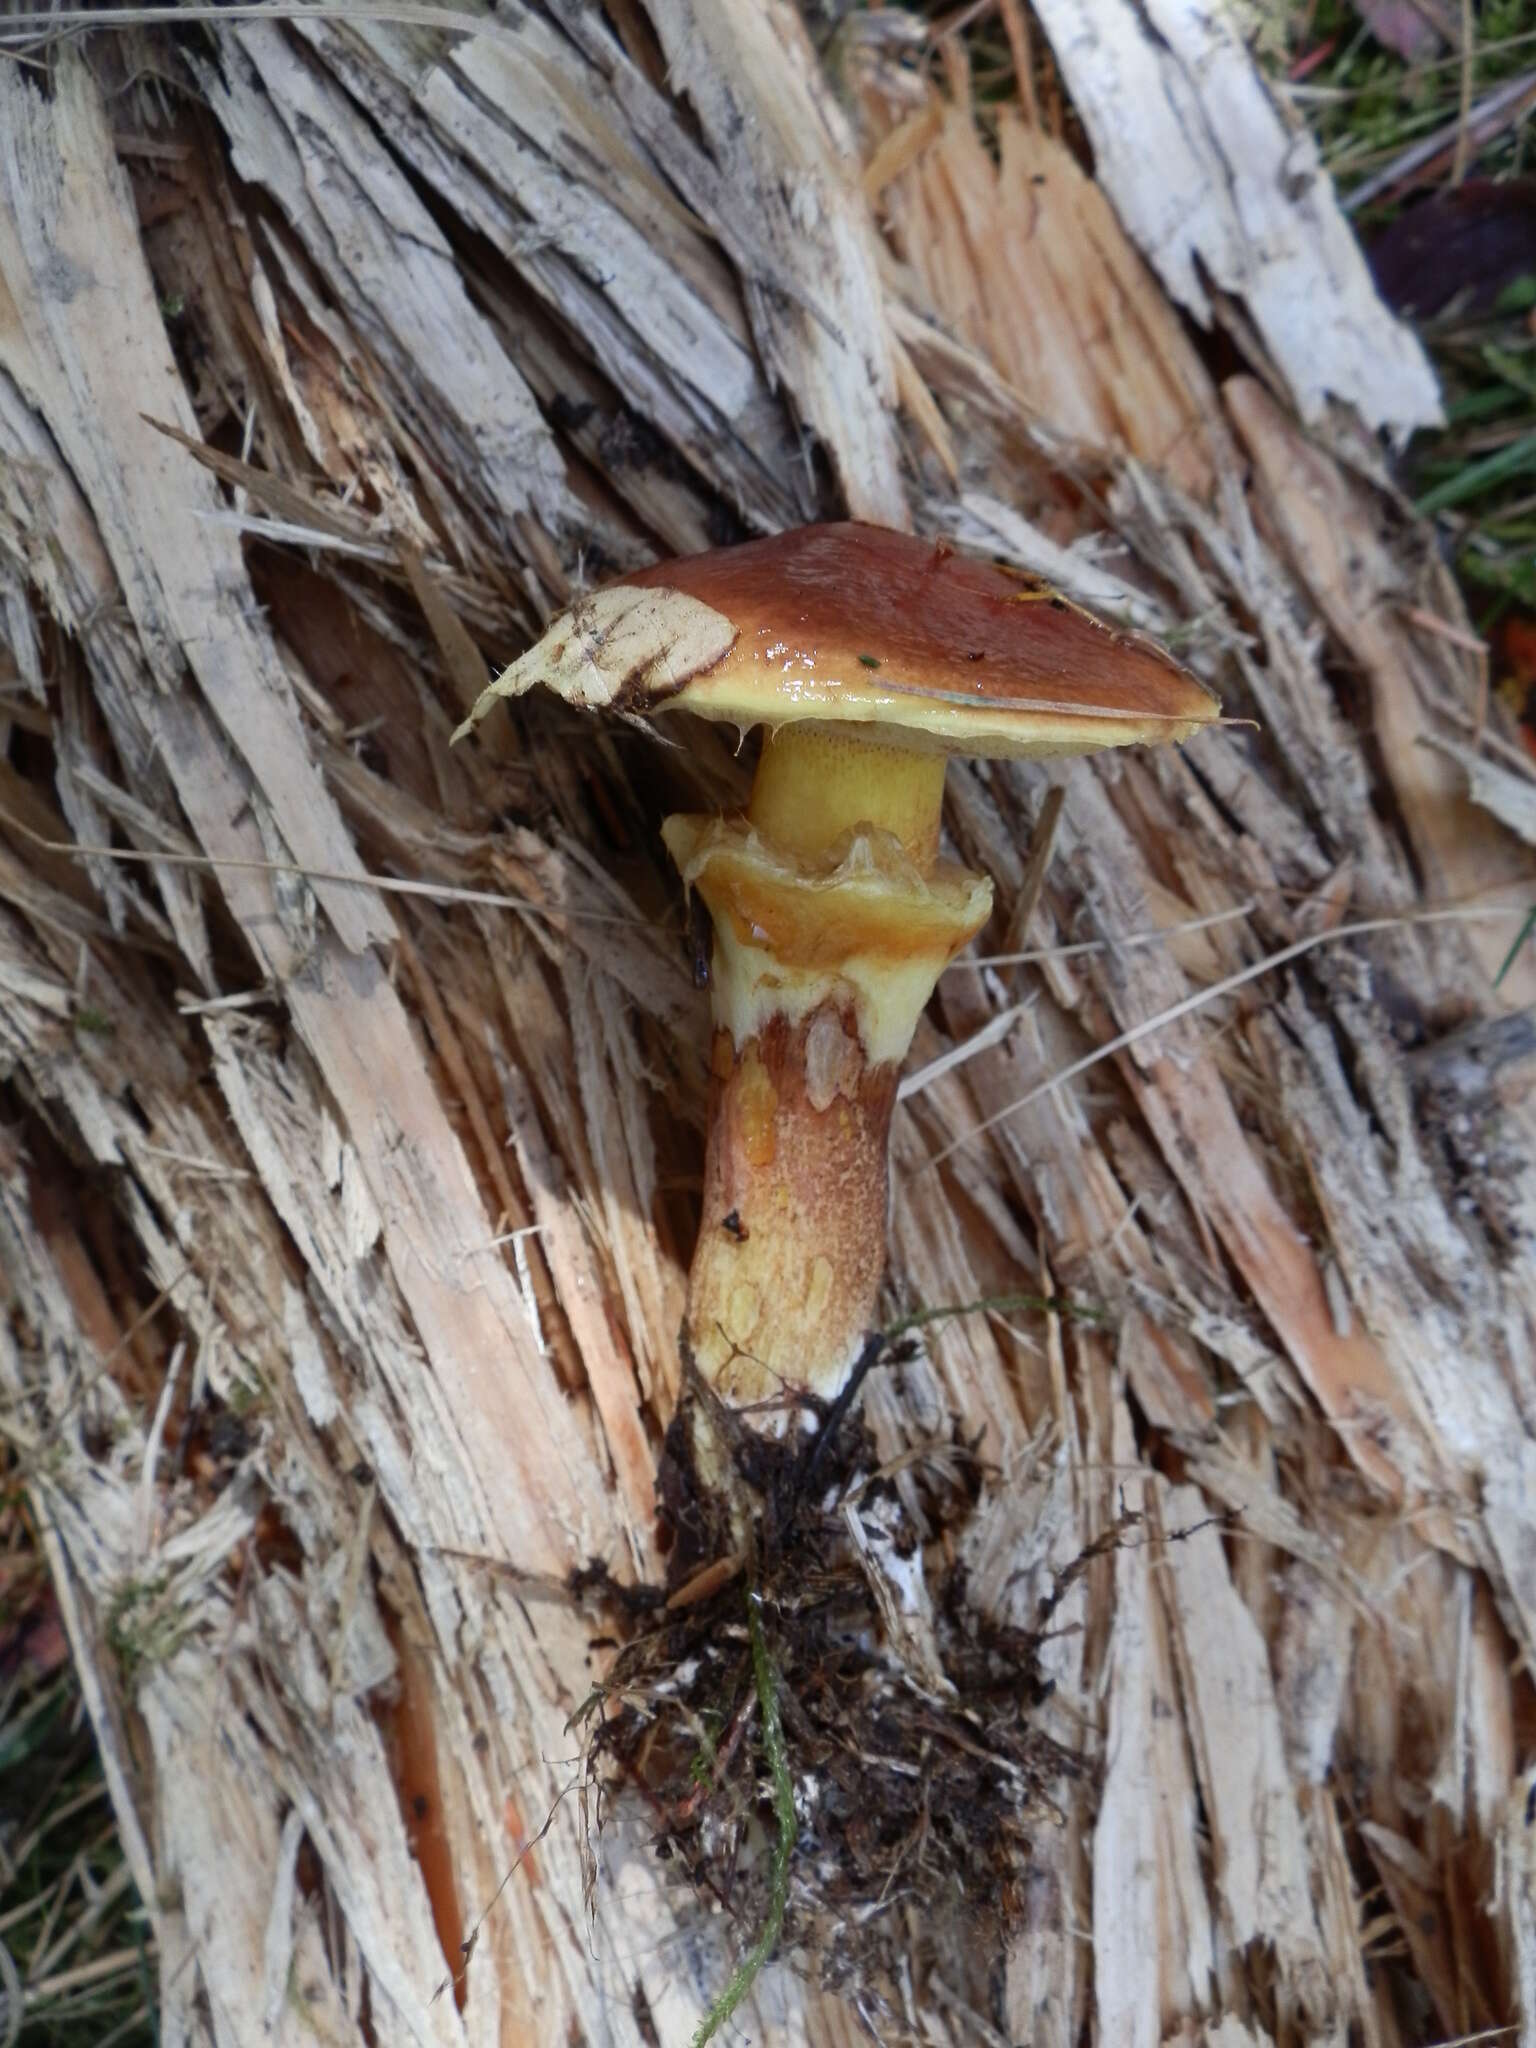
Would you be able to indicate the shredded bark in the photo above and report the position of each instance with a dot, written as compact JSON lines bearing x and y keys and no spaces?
{"x":352,"y":1085}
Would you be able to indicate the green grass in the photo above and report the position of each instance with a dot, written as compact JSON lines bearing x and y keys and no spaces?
{"x":75,"y":1970}
{"x":776,"y":1763}
{"x":1476,"y":478}
{"x":1365,"y":104}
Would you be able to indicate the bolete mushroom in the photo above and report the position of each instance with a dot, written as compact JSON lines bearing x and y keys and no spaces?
{"x":869,"y":656}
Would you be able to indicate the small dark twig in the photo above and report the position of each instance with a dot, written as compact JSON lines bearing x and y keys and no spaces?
{"x":594,"y":1578}
{"x":808,"y":1464}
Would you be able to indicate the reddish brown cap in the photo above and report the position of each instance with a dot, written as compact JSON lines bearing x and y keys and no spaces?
{"x":857,"y":622}
{"x":854,"y":622}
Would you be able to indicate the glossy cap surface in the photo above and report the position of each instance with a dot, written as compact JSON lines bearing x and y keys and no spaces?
{"x":858,"y":623}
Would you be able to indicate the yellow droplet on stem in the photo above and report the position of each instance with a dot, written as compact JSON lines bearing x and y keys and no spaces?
{"x":755,"y":1103}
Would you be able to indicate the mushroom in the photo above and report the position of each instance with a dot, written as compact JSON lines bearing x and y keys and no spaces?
{"x":869,"y":657}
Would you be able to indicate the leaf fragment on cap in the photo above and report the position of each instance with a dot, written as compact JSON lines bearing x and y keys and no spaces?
{"x":625,"y":648}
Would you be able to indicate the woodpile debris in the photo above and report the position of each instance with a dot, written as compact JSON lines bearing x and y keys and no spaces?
{"x":354,"y":1085}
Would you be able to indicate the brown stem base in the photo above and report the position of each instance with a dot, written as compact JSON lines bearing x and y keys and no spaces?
{"x":792,"y":1240}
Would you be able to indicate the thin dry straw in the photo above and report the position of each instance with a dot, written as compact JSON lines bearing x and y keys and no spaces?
{"x":994,"y":1029}
{"x":998,"y":1027}
{"x":434,"y":892}
{"x":1152,"y":938}
{"x":447,"y":892}
{"x":444,"y":892}
{"x":59,"y":21}
{"x":1202,"y":996}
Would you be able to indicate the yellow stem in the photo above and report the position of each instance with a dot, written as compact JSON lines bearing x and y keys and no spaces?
{"x":817,"y":783}
{"x":820,"y":969}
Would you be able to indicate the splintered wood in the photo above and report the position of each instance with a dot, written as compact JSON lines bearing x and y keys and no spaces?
{"x":1238,"y":205}
{"x":344,"y":1230}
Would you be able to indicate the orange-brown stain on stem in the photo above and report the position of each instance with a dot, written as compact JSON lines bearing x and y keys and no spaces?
{"x":791,"y":1252}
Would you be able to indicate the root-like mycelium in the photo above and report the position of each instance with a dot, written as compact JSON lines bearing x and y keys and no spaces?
{"x":897,"y":1713}
{"x":836,"y":1746}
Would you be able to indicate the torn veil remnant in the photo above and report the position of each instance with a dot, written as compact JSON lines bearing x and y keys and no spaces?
{"x":869,"y":656}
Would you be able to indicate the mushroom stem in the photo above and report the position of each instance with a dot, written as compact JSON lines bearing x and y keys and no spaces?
{"x":816,"y":782}
{"x":827,"y":944}
{"x":791,"y":1247}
